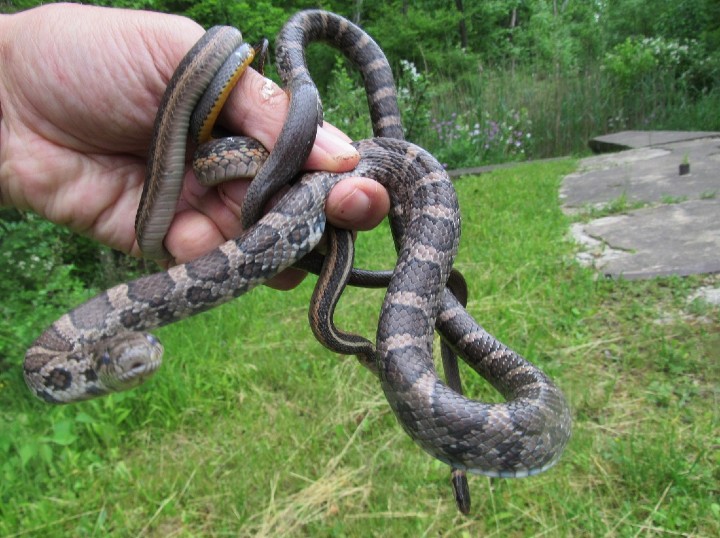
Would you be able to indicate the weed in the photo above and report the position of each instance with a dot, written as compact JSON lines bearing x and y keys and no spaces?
{"x":618,"y":206}
{"x":667,"y":199}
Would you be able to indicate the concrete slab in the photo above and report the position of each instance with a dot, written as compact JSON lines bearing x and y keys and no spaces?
{"x":645,"y":175}
{"x":677,"y":230}
{"x":673,"y":239}
{"x":644,"y":139}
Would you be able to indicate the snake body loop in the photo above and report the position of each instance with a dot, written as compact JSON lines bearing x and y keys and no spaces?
{"x":305,"y":114}
{"x":522,"y":436}
{"x":166,"y":158}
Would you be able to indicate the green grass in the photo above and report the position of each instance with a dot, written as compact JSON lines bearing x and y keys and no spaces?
{"x":252,"y":428}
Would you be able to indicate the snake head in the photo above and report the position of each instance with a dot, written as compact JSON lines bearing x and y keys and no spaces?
{"x":127,"y":360}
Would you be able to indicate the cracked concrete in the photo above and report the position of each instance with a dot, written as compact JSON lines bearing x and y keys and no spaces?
{"x":677,"y":229}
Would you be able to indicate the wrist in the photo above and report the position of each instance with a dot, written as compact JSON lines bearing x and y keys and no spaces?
{"x":4,"y":54}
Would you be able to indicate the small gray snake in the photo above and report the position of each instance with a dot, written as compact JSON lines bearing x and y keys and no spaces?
{"x":101,"y":345}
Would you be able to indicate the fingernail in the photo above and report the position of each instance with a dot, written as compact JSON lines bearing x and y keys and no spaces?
{"x":336,"y":148}
{"x":354,"y":206}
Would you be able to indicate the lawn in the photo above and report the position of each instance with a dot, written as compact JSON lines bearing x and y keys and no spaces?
{"x":251,"y":428}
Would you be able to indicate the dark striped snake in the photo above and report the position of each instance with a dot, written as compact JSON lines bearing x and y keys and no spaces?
{"x":101,"y":346}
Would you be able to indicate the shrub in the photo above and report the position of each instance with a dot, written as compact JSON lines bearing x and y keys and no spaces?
{"x":464,"y":140}
{"x":36,"y":282}
{"x":686,"y":61}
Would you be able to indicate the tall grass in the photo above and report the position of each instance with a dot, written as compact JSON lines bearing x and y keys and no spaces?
{"x":567,"y":109}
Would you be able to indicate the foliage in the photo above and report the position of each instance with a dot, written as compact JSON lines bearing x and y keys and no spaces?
{"x":348,"y":107}
{"x":413,"y":32}
{"x":633,"y":60}
{"x":255,"y":19}
{"x":345,"y":104}
{"x":546,"y":40}
{"x":672,"y":19}
{"x":44,"y":268}
{"x":35,"y":279}
{"x":630,"y":61}
{"x":659,"y":58}
{"x":415,"y":93}
{"x":240,"y":440}
{"x":247,"y":432}
{"x":462,"y":141}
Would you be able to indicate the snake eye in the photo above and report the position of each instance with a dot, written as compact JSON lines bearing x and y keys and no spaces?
{"x":105,"y":358}
{"x":150,"y":338}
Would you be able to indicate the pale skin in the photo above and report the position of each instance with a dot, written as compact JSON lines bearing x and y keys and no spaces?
{"x":79,"y":90}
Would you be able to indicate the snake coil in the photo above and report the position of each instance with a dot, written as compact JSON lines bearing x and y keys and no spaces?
{"x":101,"y":346}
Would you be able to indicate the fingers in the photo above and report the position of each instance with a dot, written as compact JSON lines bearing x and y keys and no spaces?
{"x":192,"y":234}
{"x":357,"y":203}
{"x":258,"y":107}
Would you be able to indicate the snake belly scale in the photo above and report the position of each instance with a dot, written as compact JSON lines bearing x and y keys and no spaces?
{"x":522,"y":436}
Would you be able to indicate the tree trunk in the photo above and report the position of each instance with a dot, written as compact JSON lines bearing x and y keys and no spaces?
{"x":513,"y":23}
{"x":461,"y":25}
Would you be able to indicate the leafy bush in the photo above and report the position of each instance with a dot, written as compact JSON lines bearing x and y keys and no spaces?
{"x":415,"y":91}
{"x":463,"y":140}
{"x":36,"y":282}
{"x":348,"y":109}
{"x":686,"y":61}
{"x":345,"y":104}
{"x":254,"y":19}
{"x":629,"y":61}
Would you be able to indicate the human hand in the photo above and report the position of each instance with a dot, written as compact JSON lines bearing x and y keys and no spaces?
{"x":77,"y":106}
